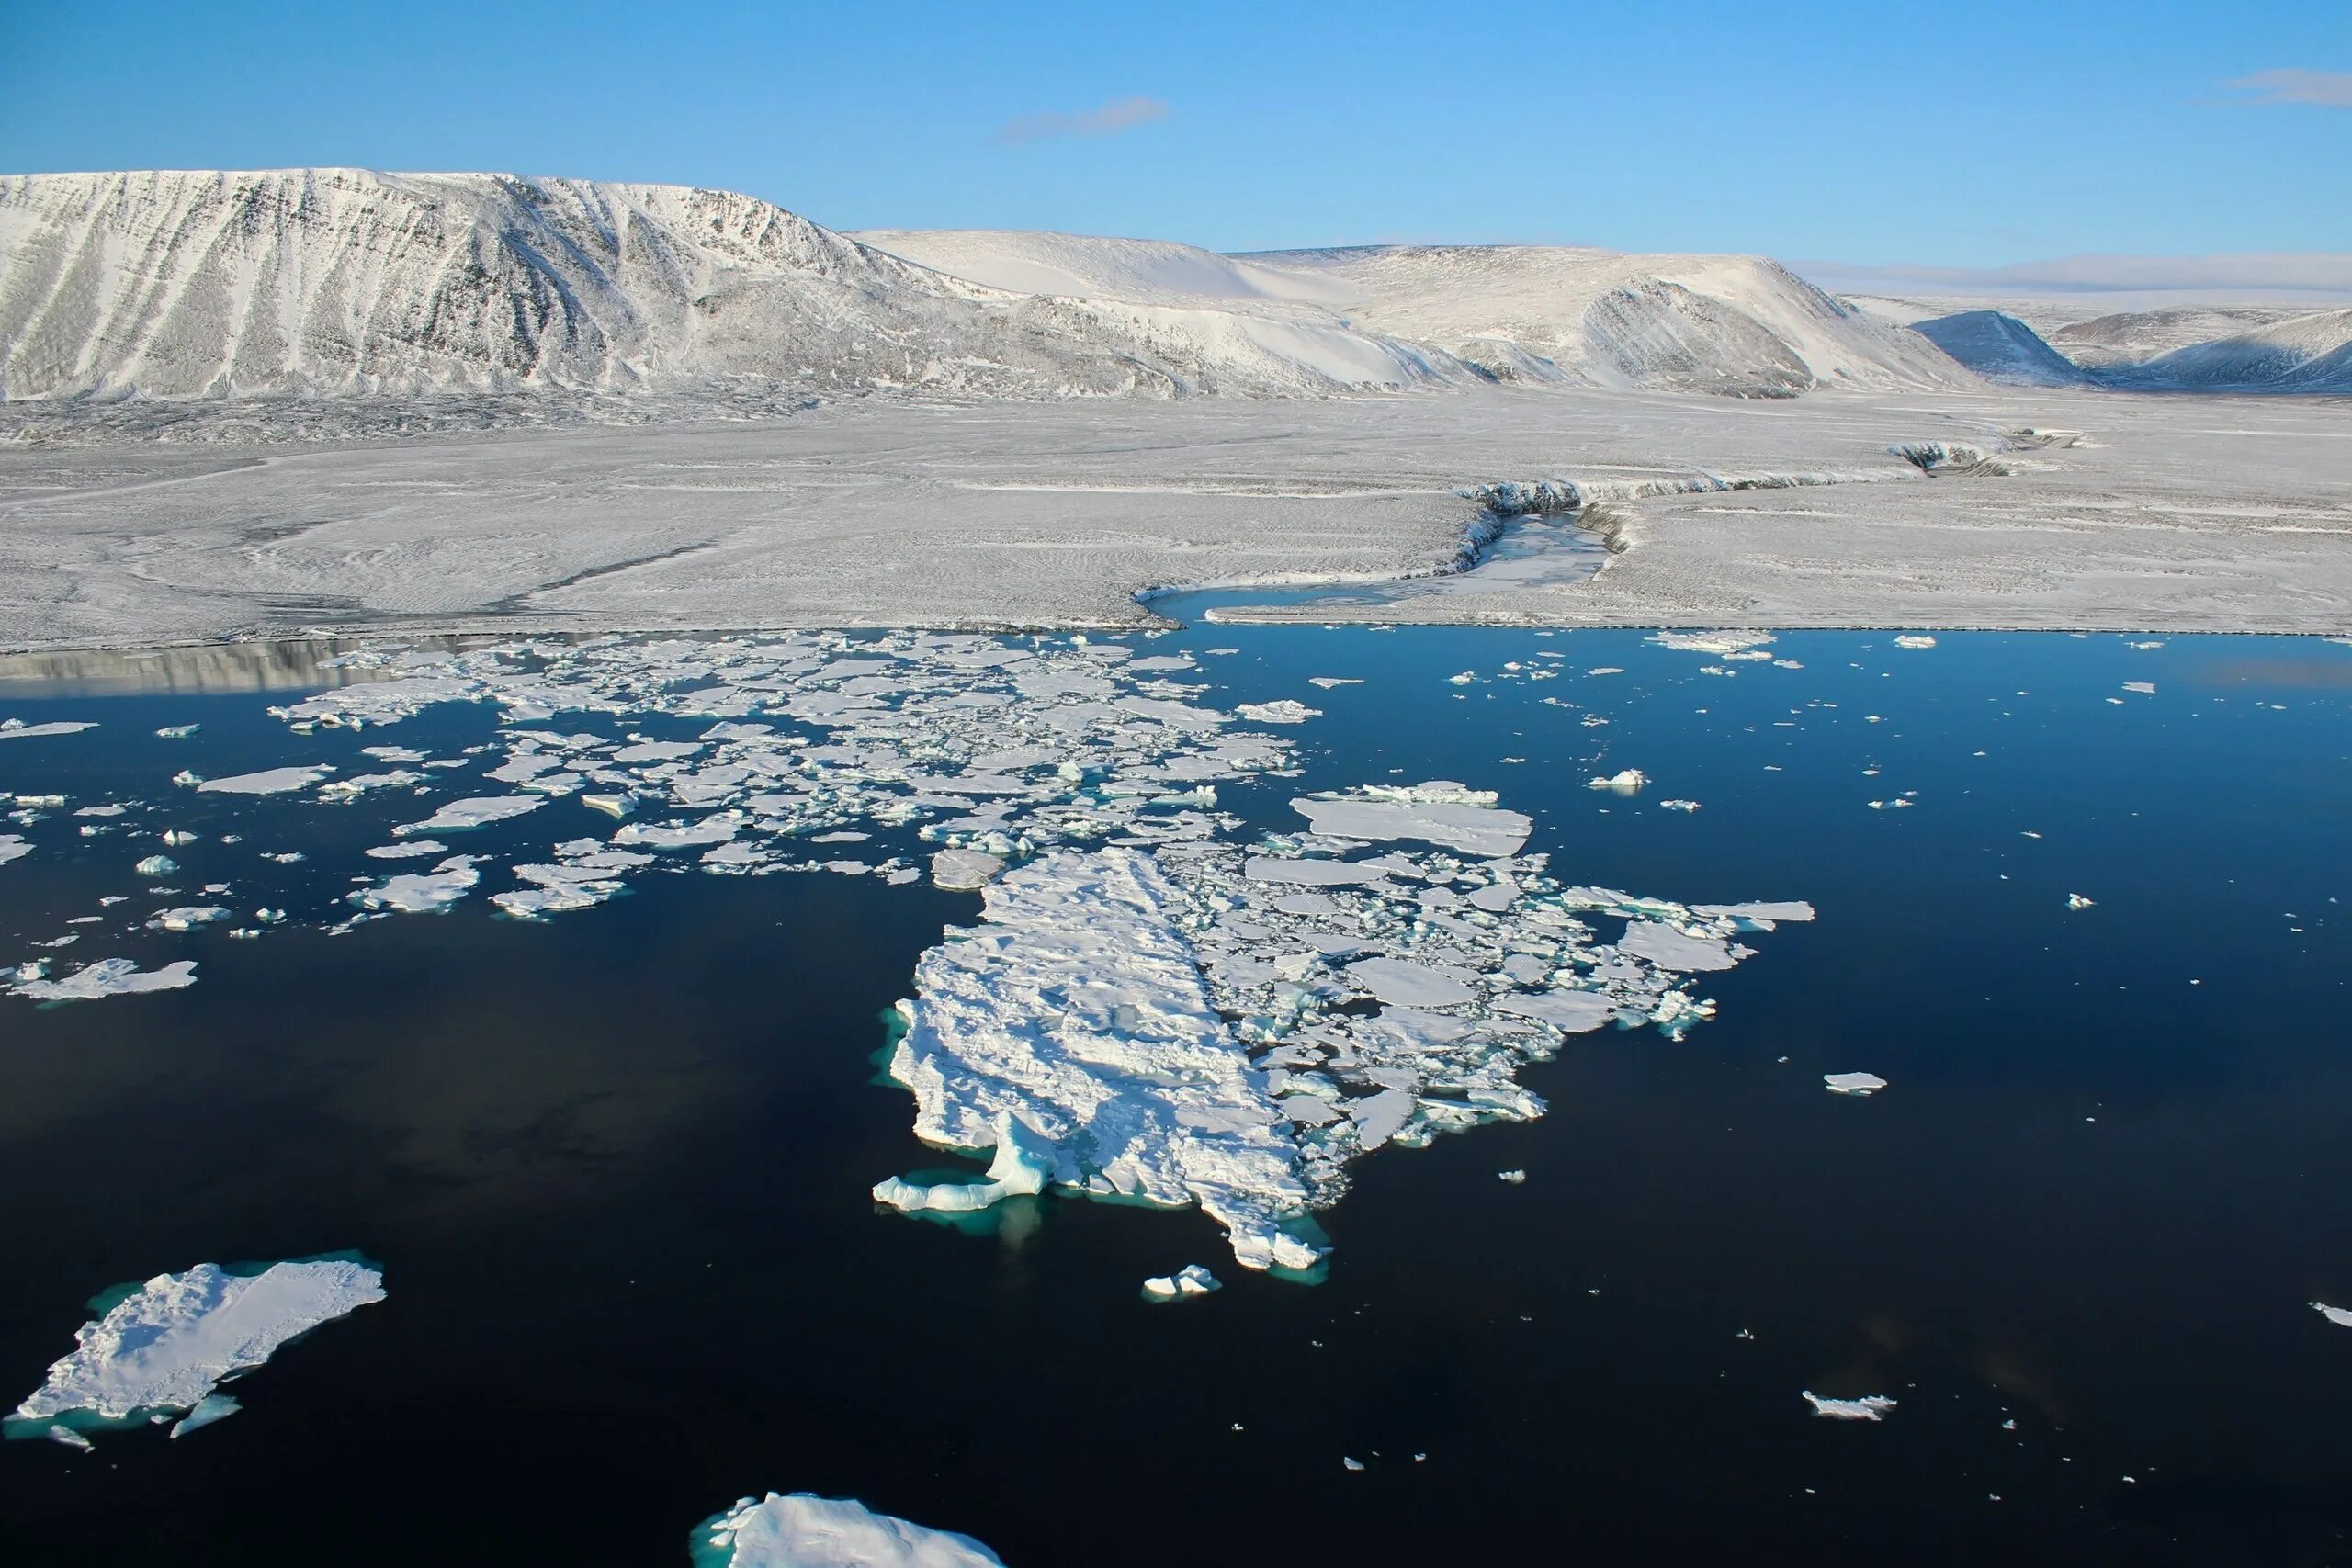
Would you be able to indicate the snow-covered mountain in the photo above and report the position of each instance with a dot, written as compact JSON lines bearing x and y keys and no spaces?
{"x":2130,"y":337}
{"x":209,"y":284}
{"x":341,"y":280}
{"x":2002,"y":349}
{"x":2307,"y":354}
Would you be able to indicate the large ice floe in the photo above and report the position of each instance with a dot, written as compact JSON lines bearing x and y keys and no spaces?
{"x":1210,"y":1023}
{"x":166,"y":1347}
{"x":806,"y":1531}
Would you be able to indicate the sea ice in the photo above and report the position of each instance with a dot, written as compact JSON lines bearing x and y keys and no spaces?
{"x":422,"y":892}
{"x":1077,"y":1011}
{"x":459,"y":815}
{"x":12,"y":847}
{"x":170,"y":1343}
{"x":964,"y":871}
{"x":1854,"y":1083}
{"x":1870,"y":1407}
{"x":1437,"y":819}
{"x":1283,"y":711}
{"x":17,"y":730}
{"x":2337,"y":1315}
{"x":806,"y":1531}
{"x":108,"y":978}
{"x":269,"y":781}
{"x":1188,"y":1283}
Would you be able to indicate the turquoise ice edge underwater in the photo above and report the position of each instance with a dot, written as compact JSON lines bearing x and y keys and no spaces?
{"x":616,"y":1164}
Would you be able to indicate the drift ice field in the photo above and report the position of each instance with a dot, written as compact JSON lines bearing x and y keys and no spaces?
{"x":679,"y":886}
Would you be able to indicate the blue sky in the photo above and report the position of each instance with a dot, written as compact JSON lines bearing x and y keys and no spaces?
{"x":1965,"y":136}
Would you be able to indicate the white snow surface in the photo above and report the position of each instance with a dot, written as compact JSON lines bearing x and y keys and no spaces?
{"x":802,"y":1530}
{"x":169,"y":1344}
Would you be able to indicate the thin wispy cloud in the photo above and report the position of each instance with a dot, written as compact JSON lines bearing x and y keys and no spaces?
{"x":1047,"y":125}
{"x":2332,"y":89}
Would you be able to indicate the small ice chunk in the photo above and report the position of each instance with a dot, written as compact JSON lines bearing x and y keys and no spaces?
{"x":187,"y":918}
{"x":1395,"y":981}
{"x":156,"y":866}
{"x":269,"y":781}
{"x":210,"y":1408}
{"x":2146,"y":688}
{"x":177,"y":731}
{"x":1677,"y":805}
{"x":1854,"y":1083}
{"x":2337,"y":1315}
{"x":1514,"y":1177}
{"x":12,"y":847}
{"x":1188,"y":1283}
{"x":169,"y":1344}
{"x":1627,"y":782}
{"x":2076,"y":902}
{"x":610,"y":804}
{"x":1870,"y":1407}
{"x":1283,"y":711}
{"x":1349,"y":1461}
{"x":1328,"y":682}
{"x":806,"y":1531}
{"x":108,"y":978}
{"x":1913,"y":641}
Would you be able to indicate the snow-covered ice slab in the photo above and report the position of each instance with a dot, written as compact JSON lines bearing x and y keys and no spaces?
{"x":17,"y":730}
{"x":478,"y":811}
{"x":803,"y":1530}
{"x":422,"y":892}
{"x":269,"y":781}
{"x":1076,"y":1011}
{"x":167,"y":1346}
{"x":107,"y":978}
{"x":1854,"y":1083}
{"x":1435,"y":813}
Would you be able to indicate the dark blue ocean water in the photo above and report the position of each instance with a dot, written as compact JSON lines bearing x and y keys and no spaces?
{"x":616,"y":1164}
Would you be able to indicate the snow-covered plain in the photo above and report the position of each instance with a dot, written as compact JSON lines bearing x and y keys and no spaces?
{"x":2165,"y":513}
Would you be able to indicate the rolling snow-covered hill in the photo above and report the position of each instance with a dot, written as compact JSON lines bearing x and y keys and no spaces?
{"x":2002,"y":349}
{"x":1743,"y":325}
{"x":2306,"y":353}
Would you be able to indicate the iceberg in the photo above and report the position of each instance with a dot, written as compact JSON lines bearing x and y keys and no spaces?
{"x":168,"y":1345}
{"x":803,"y":1530}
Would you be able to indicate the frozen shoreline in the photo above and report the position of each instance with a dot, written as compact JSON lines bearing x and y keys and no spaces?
{"x":2172,"y":515}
